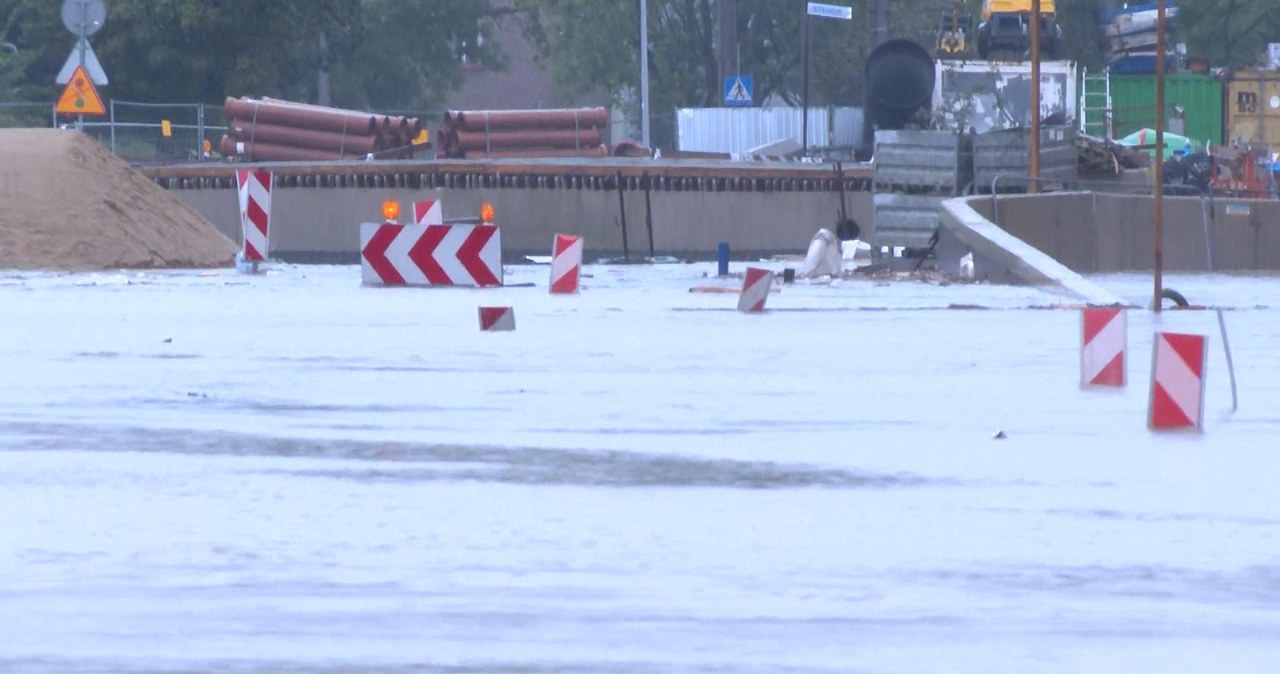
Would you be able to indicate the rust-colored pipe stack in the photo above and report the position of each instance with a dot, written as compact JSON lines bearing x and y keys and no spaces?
{"x":273,"y":130}
{"x":559,"y":132}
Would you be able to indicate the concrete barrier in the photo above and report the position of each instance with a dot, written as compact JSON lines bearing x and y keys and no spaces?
{"x":322,"y":224}
{"x":1000,"y":256}
{"x":1096,"y":232}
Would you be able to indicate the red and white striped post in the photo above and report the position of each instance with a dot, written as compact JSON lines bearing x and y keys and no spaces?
{"x":755,"y":290}
{"x":566,"y":263}
{"x":1104,"y":335}
{"x":1177,"y":381}
{"x":254,"y":191}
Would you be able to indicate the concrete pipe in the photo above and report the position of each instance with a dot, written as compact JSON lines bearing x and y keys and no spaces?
{"x":899,"y":78}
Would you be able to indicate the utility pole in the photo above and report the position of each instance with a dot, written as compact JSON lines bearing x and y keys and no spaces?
{"x":880,"y":21}
{"x":804,"y":122}
{"x":644,"y":73}
{"x":1035,"y":97}
{"x":1158,"y":251}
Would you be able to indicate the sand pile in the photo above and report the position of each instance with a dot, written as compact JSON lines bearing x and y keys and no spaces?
{"x":68,"y":203}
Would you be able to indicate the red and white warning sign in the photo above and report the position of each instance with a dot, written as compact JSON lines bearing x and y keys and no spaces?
{"x":755,"y":289}
{"x":1177,"y":381}
{"x":566,"y":263}
{"x":493,"y":319}
{"x":428,"y":212}
{"x":1104,"y":336}
{"x":254,"y":190}
{"x":430,"y":255}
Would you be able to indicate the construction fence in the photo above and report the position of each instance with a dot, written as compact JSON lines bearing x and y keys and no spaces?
{"x":167,"y":133}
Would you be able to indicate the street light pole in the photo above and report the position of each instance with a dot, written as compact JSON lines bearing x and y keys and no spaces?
{"x":1035,"y":97}
{"x":804,"y":39}
{"x":644,"y":73}
{"x":1158,"y":252}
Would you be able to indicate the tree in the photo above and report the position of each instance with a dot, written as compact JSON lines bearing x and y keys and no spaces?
{"x":382,"y":53}
{"x":593,"y":45}
{"x":1231,"y":33}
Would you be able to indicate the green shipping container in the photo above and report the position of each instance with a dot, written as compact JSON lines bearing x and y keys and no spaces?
{"x":1133,"y":104}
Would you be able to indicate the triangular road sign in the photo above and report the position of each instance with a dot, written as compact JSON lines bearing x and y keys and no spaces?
{"x":738,"y":92}
{"x":79,"y":97}
{"x":91,"y":64}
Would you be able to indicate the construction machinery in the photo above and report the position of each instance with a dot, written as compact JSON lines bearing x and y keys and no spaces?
{"x":1005,"y":30}
{"x":955,"y":34}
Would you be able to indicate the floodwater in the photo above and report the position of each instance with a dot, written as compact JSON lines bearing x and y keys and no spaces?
{"x":212,"y":472}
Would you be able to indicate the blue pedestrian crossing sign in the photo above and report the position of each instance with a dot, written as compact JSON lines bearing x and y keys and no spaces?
{"x":737,"y":90}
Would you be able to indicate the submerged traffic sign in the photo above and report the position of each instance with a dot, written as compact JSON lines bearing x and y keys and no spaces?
{"x":79,"y":97}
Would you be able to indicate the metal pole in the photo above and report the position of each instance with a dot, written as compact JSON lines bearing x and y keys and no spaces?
{"x":200,"y":131}
{"x":644,"y":73}
{"x":880,"y":21}
{"x":1035,"y":97}
{"x":84,"y":18}
{"x":622,"y":214}
{"x":1158,"y":253}
{"x":804,"y":40}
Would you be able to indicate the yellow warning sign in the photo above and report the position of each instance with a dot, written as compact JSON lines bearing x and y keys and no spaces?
{"x":166,"y":129}
{"x":79,"y":97}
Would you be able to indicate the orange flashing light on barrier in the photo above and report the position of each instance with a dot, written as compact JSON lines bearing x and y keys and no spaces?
{"x":391,"y":210}
{"x":486,"y":213}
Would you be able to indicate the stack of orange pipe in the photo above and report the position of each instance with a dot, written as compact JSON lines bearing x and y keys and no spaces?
{"x":274,"y":130}
{"x":491,"y":134}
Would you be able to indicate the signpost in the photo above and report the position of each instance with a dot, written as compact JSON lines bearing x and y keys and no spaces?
{"x":824,"y":11}
{"x":737,"y":90}
{"x":83,"y":18}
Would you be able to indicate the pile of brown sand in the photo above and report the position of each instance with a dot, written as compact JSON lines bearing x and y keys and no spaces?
{"x":68,"y":203}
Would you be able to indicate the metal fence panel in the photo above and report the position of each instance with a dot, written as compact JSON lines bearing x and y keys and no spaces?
{"x":156,"y":132}
{"x":16,"y":115}
{"x":739,"y":130}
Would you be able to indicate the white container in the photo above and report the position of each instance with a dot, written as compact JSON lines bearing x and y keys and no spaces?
{"x":989,"y":95}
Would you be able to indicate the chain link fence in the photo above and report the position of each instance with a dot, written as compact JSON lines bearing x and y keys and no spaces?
{"x":22,"y":114}
{"x":137,"y":132}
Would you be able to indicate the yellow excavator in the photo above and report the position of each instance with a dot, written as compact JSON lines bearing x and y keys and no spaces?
{"x":955,"y":34}
{"x":1005,"y":31}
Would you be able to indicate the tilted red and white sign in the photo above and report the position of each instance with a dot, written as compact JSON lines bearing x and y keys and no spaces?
{"x":430,"y":255}
{"x":1177,"y":381}
{"x":428,"y":212}
{"x":494,"y":319}
{"x":1104,"y":334}
{"x":755,"y":290}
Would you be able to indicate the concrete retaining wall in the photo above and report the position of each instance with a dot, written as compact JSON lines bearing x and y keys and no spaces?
{"x":322,"y":224}
{"x":1097,"y":233}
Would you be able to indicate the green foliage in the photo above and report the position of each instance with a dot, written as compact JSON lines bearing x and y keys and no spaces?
{"x":380,"y":53}
{"x":1231,"y":33}
{"x":404,"y":54}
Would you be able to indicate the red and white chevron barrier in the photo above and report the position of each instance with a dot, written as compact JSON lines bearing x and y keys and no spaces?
{"x":1177,"y":381}
{"x":755,"y":289}
{"x":493,"y":319}
{"x":566,"y":263}
{"x":254,"y":190}
{"x":428,"y":212}
{"x":430,"y":255}
{"x":1104,"y":335}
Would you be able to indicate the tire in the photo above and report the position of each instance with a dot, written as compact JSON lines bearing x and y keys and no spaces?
{"x":1178,"y":299}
